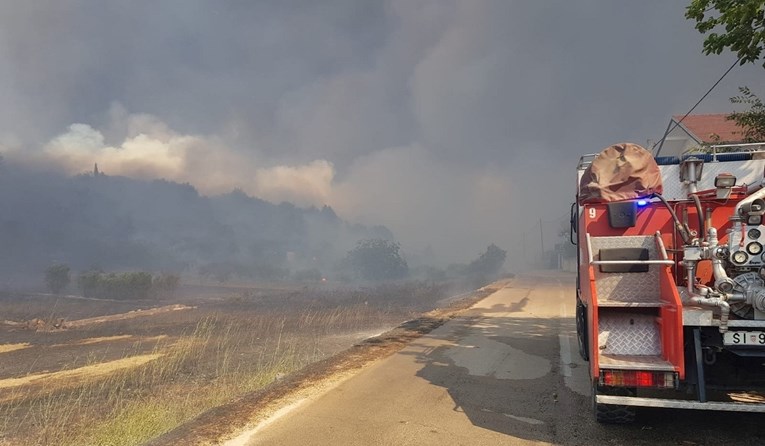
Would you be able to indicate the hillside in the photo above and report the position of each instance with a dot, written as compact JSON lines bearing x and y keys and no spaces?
{"x":119,"y":223}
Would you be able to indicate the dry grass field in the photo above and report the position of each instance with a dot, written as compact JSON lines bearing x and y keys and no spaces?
{"x":77,"y":371}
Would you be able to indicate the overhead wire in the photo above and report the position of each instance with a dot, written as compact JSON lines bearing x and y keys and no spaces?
{"x":677,"y":123}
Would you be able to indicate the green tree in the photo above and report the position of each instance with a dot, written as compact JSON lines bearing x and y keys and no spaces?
{"x":164,"y":285}
{"x":131,"y":285}
{"x":377,"y":259}
{"x":490,"y":262}
{"x":90,"y":283}
{"x":57,"y":278}
{"x":752,"y":120}
{"x":735,"y":24}
{"x":134,"y":285}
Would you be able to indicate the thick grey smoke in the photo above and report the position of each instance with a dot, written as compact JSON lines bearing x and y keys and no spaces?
{"x":454,"y":123}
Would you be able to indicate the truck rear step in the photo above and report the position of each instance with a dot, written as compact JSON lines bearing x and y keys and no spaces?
{"x":635,"y":362}
{"x":679,"y":404}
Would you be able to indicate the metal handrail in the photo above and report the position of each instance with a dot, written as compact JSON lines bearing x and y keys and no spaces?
{"x":585,"y":160}
{"x":660,"y":244}
{"x":632,"y":262}
{"x":657,"y":238}
{"x":748,"y":148}
{"x":747,"y":144}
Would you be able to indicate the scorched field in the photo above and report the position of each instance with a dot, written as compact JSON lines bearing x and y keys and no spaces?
{"x":76,"y":371}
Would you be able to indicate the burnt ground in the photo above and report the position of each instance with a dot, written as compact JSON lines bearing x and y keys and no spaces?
{"x":223,"y":422}
{"x":49,"y":344}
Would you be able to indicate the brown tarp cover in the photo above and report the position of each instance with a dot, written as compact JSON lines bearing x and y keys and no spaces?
{"x":621,"y":172}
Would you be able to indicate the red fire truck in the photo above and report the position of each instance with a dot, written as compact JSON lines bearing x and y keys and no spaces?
{"x":671,"y":279}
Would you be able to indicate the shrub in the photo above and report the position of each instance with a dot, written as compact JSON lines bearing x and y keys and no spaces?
{"x":57,"y":278}
{"x":489,"y":263}
{"x":89,"y":283}
{"x":132,"y":285}
{"x":165,"y":285}
{"x":377,"y":259}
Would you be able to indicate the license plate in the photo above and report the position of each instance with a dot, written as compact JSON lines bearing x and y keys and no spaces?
{"x":744,"y":338}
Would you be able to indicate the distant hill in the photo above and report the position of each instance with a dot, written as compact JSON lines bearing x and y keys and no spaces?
{"x":118,"y":223}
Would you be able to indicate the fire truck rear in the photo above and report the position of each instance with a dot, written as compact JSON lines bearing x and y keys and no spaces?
{"x":671,"y":279}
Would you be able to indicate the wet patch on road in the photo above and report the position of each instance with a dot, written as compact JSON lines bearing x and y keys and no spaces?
{"x":483,"y":356}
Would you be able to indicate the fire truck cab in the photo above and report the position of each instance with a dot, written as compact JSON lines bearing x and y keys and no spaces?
{"x":670,"y":305}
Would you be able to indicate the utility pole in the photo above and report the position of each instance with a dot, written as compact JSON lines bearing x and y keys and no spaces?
{"x":541,"y":240}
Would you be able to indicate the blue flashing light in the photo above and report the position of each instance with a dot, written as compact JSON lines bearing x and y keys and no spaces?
{"x":642,"y":203}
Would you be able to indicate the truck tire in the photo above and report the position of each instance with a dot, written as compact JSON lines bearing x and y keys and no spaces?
{"x":581,"y":330}
{"x":612,"y":413}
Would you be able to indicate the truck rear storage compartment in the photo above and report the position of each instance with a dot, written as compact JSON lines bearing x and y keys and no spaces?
{"x":630,"y":341}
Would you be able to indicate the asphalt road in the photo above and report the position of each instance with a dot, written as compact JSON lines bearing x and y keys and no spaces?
{"x":507,"y":372}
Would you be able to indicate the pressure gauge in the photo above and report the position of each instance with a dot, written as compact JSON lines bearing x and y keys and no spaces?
{"x":754,"y":234}
{"x":741,"y":257}
{"x":754,"y":248}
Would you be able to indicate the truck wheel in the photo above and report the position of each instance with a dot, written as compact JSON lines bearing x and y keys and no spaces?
{"x":611,"y":413}
{"x":581,"y":330}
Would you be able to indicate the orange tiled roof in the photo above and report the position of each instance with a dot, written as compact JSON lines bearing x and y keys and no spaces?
{"x":712,"y":128}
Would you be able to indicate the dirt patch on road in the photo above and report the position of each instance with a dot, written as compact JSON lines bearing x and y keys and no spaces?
{"x":224,"y":422}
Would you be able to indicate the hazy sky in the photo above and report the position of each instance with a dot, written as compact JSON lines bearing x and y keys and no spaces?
{"x":456,"y":123}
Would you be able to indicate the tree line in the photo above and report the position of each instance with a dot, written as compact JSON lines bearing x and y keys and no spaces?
{"x":122,"y":286}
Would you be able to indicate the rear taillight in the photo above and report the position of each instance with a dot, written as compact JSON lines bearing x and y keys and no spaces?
{"x":637,"y":378}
